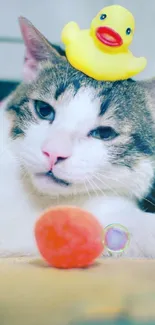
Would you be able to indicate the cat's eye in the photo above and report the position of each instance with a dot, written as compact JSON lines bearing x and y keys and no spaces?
{"x":44,"y":110}
{"x":103,"y":133}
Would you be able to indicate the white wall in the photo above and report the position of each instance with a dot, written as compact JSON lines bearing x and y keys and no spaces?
{"x":50,"y":16}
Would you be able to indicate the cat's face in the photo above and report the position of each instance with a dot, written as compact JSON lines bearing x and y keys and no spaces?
{"x":73,"y":134}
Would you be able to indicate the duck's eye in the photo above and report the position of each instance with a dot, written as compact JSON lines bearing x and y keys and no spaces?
{"x":103,"y":16}
{"x":44,"y":110}
{"x":128,"y":31}
{"x":103,"y":133}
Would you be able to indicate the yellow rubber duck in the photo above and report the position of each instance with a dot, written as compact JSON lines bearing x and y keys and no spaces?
{"x":101,"y":52}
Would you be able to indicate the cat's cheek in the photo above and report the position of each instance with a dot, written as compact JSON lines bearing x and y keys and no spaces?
{"x":28,"y":149}
{"x":88,"y":158}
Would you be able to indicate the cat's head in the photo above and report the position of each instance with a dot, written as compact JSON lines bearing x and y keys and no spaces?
{"x":74,"y":134}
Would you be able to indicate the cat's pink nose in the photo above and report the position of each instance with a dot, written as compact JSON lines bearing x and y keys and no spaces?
{"x":53,"y":158}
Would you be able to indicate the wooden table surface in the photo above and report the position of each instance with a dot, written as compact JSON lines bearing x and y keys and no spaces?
{"x":114,"y":291}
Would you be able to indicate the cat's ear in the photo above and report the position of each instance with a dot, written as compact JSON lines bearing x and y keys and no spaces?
{"x":38,"y":49}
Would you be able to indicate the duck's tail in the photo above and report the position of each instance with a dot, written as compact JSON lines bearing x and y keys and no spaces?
{"x":69,"y":32}
{"x":137,"y":65}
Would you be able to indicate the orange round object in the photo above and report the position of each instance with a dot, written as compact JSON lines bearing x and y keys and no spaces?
{"x":68,"y":237}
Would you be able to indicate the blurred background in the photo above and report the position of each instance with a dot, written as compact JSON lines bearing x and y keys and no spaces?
{"x":50,"y":16}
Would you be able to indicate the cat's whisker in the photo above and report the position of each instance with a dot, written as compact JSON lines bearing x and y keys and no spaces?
{"x":87,"y":190}
{"x":148,"y":201}
{"x":110,"y":178}
{"x":106,"y":185}
{"x":99,"y":189}
{"x":116,"y":180}
{"x":123,"y":184}
{"x":91,"y":185}
{"x":31,"y":157}
{"x":29,"y":153}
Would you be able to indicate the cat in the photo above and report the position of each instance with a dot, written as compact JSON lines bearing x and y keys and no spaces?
{"x":71,"y":140}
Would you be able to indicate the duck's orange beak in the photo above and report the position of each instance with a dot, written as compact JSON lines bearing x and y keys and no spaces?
{"x":108,"y":36}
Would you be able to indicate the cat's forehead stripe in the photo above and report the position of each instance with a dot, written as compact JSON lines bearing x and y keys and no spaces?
{"x":104,"y":105}
{"x":60,"y":90}
{"x":75,"y":85}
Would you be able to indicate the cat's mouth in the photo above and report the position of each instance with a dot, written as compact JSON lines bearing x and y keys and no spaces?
{"x":57,"y":180}
{"x":54,"y":178}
